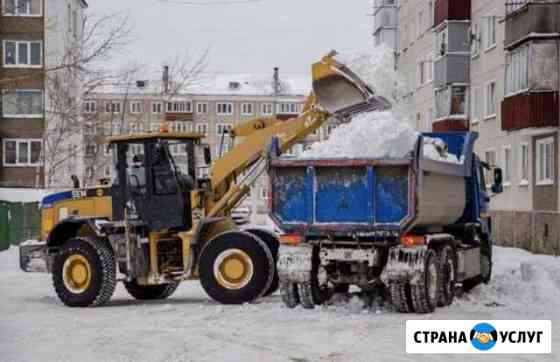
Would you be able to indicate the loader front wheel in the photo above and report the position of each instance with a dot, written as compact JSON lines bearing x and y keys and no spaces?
{"x":236,"y":267}
{"x":273,"y":245}
{"x":84,"y":272}
{"x":150,"y":292}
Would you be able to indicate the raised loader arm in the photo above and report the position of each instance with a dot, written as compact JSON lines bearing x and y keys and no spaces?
{"x":337,"y":91}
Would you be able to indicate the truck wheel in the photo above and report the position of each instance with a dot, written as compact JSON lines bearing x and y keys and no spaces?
{"x":315,"y":291}
{"x":400,"y":296}
{"x":424,"y":291}
{"x":290,"y":295}
{"x":447,"y":277}
{"x":236,"y":267}
{"x":84,"y":272}
{"x":273,"y":245}
{"x":150,"y":292}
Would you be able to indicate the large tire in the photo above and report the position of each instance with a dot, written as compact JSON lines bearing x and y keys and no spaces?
{"x":236,"y":267}
{"x":290,"y":294}
{"x":150,"y":292}
{"x":273,"y":245}
{"x":424,"y":291}
{"x":84,"y":272}
{"x":447,"y":275}
{"x":400,"y":296}
{"x":312,"y":293}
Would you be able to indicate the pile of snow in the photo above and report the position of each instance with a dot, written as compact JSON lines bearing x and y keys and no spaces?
{"x":376,"y":135}
{"x":23,"y":195}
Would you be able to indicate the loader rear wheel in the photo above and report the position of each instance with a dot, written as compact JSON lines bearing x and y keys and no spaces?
{"x":273,"y":245}
{"x":236,"y":267}
{"x":400,"y":296}
{"x":424,"y":291}
{"x":150,"y":292}
{"x":84,"y":272}
{"x":447,"y":276}
{"x":290,"y":295}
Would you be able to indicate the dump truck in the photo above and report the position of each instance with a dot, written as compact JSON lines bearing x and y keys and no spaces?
{"x":410,"y":229}
{"x":157,"y":224}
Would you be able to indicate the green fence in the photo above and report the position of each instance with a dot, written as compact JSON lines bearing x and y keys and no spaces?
{"x":18,"y":222}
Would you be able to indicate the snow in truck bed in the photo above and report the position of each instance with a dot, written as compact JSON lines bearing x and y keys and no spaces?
{"x":34,"y":325}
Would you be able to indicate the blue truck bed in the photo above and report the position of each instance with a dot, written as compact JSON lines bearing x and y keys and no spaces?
{"x":355,"y":195}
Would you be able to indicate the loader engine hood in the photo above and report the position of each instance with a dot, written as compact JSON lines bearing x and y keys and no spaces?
{"x":341,"y":91}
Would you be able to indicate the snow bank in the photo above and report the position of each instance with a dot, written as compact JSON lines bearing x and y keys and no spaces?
{"x":376,"y":135}
{"x":23,"y":195}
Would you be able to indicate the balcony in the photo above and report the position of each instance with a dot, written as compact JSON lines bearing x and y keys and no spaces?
{"x":451,"y":68}
{"x":178,"y":116}
{"x":450,"y":125}
{"x":537,"y":18}
{"x":452,"y":10}
{"x":530,"y":110}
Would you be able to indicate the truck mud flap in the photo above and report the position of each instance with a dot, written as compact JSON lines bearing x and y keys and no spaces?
{"x":33,"y":257}
{"x":404,"y":264}
{"x":294,"y":263}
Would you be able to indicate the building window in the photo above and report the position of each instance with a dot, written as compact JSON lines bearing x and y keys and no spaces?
{"x":22,"y":7}
{"x":90,"y":106}
{"x":23,"y":54}
{"x":489,"y":32}
{"x":91,"y":150}
{"x":545,"y":161}
{"x":22,"y":152}
{"x":247,"y":109}
{"x":154,"y":127}
{"x":222,"y":128}
{"x":202,"y":128}
{"x":490,"y":100}
{"x":420,"y":23}
{"x":451,"y":101}
{"x":180,"y":127}
{"x":490,"y":158}
{"x":202,"y":108}
{"x":113,"y":107}
{"x":20,"y":103}
{"x":517,"y":70}
{"x":475,"y":102}
{"x":89,"y":172}
{"x":264,"y":193}
{"x":89,"y":129}
{"x":429,"y":68}
{"x":441,"y":42}
{"x":136,"y":107}
{"x":475,"y":41}
{"x":287,"y":108}
{"x":157,"y":107}
{"x":179,"y":107}
{"x":266,"y":109}
{"x":224,"y":109}
{"x":524,"y":158}
{"x":506,"y":167}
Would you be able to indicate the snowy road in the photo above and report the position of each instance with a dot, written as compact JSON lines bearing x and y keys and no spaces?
{"x":35,"y":326}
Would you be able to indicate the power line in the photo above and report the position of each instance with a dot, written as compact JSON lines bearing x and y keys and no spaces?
{"x":204,"y":3}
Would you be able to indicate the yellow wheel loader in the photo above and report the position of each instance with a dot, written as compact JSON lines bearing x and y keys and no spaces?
{"x":157,"y":224}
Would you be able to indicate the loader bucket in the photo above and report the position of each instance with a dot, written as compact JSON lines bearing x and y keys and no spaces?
{"x":340,"y":91}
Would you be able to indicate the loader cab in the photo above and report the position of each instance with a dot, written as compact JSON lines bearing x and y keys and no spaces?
{"x":154,"y":175}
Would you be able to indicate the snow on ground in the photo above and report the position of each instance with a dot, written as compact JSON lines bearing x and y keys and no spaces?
{"x":34,"y":325}
{"x":376,"y":135}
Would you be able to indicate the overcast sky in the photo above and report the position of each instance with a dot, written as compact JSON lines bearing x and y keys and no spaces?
{"x":245,"y":38}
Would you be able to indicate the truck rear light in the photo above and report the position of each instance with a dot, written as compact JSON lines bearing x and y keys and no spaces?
{"x":413,"y":240}
{"x":290,"y":239}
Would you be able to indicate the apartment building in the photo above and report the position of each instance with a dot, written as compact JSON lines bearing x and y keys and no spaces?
{"x":211,"y":109}
{"x":496,"y":71}
{"x":385,"y":23}
{"x":33,"y":35}
{"x":415,"y":60}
